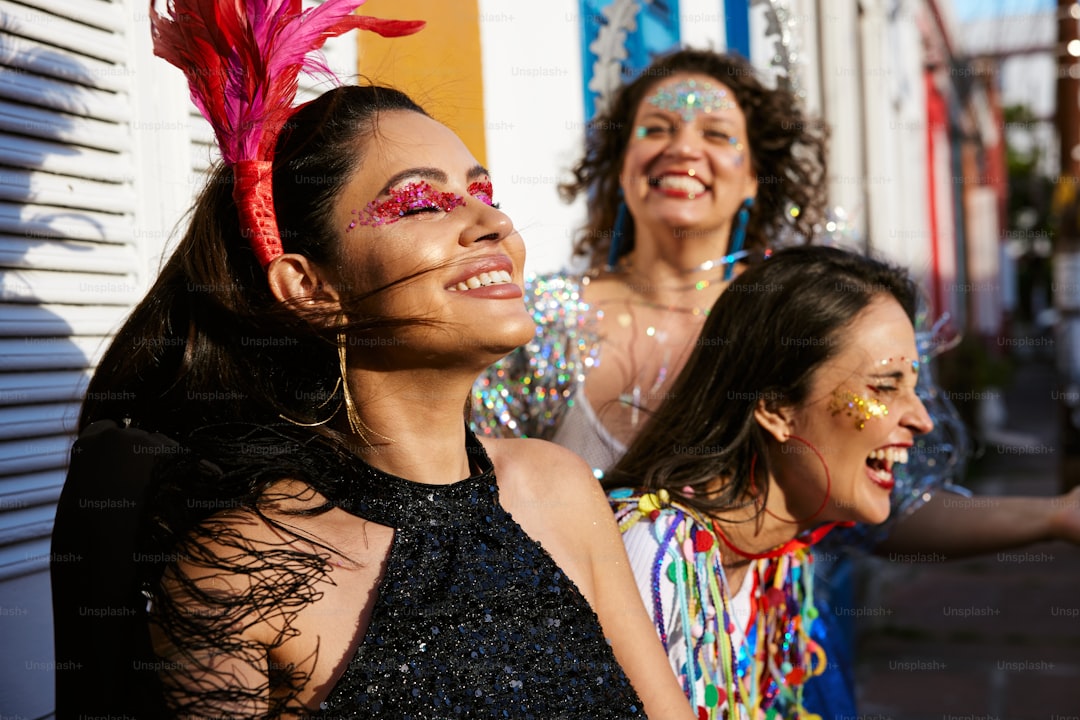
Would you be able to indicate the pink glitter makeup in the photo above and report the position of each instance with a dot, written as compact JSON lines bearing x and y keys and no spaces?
{"x":402,"y":201}
{"x":857,"y":406}
{"x":482,"y":191}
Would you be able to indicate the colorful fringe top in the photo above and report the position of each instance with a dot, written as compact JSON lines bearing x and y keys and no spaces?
{"x":760,"y":654}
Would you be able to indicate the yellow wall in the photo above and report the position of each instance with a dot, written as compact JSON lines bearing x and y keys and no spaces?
{"x":439,"y":66}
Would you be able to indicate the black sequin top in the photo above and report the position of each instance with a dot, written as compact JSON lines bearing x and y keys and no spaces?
{"x":473,"y":618}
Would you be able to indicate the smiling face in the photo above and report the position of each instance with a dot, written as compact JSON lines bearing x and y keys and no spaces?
{"x":419,"y":228}
{"x":861,"y":414}
{"x":688,"y":164}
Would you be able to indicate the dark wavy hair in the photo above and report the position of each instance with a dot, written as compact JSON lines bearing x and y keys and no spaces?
{"x":212,"y":359}
{"x":787,"y":151}
{"x":766,"y":336}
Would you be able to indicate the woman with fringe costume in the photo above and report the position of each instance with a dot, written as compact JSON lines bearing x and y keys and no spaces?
{"x":318,"y":533}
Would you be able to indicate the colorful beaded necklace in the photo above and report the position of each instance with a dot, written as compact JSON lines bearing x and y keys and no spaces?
{"x":764,"y":677}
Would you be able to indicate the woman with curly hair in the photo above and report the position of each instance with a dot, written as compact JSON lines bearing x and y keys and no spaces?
{"x":695,"y":168}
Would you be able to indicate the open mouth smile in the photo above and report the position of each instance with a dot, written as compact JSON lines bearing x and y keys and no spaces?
{"x":880,"y":463}
{"x":484,"y":279}
{"x":679,"y":184}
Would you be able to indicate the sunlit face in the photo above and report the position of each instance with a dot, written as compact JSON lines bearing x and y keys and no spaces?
{"x":688,"y":164}
{"x":862,"y":415}
{"x":421,"y":207}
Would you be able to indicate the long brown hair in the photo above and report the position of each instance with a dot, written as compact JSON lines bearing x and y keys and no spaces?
{"x":787,"y":150}
{"x":212,"y":359}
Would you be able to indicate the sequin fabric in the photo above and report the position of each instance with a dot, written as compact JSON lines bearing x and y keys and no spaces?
{"x":473,"y":618}
{"x":526,"y":393}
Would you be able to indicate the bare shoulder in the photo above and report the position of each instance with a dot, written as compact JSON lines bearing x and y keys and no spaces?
{"x":540,"y":467}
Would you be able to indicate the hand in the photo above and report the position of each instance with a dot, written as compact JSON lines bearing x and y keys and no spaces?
{"x":1065,"y":517}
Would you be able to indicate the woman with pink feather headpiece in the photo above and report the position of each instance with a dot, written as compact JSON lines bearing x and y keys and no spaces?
{"x":307,"y":527}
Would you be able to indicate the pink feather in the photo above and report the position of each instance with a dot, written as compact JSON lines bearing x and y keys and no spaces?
{"x":242,"y":59}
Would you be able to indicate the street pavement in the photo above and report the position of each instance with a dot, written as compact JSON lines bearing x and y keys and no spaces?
{"x":995,"y":637}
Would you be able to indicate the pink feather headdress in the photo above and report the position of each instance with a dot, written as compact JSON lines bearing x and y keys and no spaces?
{"x":242,"y":59}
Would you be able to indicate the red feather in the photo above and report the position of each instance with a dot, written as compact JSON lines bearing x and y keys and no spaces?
{"x":242,"y":59}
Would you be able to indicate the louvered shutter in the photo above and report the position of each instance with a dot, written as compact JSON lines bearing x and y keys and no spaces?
{"x":100,"y":155}
{"x":69,"y":270}
{"x":74,"y":254}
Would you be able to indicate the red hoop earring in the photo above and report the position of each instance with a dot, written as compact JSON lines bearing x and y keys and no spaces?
{"x":828,"y":483}
{"x":797,"y":543}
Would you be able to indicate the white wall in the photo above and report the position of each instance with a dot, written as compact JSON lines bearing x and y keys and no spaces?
{"x":533,"y":109}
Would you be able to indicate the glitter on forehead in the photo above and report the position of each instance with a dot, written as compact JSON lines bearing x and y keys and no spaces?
{"x":915,"y":364}
{"x":413,"y":196}
{"x":857,"y":406}
{"x":688,"y":98}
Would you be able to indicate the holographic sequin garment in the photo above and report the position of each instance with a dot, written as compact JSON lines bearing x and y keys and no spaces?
{"x":473,"y":618}
{"x":526,"y":393}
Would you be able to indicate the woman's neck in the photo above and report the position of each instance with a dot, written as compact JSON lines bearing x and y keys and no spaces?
{"x":676,"y":272}
{"x":755,"y":528}
{"x":413,"y":422}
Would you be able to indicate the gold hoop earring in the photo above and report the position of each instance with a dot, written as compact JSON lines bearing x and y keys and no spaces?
{"x":321,"y":405}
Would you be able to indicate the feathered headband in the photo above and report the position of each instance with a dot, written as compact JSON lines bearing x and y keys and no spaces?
{"x":242,"y":59}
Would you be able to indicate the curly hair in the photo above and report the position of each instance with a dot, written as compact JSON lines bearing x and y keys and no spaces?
{"x":787,"y":152}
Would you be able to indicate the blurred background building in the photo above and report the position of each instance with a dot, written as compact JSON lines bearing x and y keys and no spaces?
{"x":945,"y":149}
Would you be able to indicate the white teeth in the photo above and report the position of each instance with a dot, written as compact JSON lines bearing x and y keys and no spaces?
{"x":493,"y":277}
{"x":683,"y":183}
{"x":882,"y":475}
{"x":892,"y":455}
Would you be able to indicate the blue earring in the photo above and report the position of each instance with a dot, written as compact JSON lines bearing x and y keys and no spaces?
{"x":738,"y":235}
{"x":622,"y":217}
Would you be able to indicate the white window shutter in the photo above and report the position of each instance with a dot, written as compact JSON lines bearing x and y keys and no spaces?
{"x":82,"y":223}
{"x":68,"y":266}
{"x":101,"y":155}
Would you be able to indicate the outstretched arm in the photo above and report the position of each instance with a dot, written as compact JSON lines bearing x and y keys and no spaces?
{"x":957,"y":526}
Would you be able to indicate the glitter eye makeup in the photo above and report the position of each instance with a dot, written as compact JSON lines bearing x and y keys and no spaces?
{"x":688,"y":98}
{"x":482,"y":191}
{"x":857,"y":406}
{"x":404,"y":201}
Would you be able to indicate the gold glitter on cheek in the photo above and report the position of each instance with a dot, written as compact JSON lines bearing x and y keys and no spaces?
{"x":859,"y":407}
